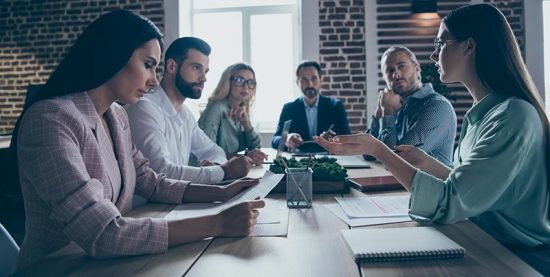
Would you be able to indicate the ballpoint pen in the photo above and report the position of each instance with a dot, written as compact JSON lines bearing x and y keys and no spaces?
{"x":330,"y":127}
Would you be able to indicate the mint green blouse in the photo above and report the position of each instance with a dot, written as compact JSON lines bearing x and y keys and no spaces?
{"x":499,"y":180}
{"x":226,"y":132}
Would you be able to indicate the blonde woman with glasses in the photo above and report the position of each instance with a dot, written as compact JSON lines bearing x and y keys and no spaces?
{"x":226,"y":119}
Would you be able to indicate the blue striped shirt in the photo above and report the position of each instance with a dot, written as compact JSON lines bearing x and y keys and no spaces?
{"x":426,"y":118}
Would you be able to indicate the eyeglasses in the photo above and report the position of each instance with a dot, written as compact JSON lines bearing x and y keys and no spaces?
{"x":241,"y":82}
{"x":440,"y":43}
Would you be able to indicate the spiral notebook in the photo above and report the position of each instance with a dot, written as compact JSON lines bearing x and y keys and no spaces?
{"x":400,"y":244}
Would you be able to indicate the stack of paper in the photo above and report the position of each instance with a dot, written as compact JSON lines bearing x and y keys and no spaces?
{"x":371,"y":210}
{"x":273,"y":216}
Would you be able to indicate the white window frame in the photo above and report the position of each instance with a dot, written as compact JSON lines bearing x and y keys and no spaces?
{"x":178,"y":23}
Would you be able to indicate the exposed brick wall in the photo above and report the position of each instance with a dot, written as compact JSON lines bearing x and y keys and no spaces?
{"x":342,"y":56}
{"x":36,"y":34}
{"x":342,"y":46}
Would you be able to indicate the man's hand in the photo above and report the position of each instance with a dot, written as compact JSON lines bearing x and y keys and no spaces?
{"x":294,"y":140}
{"x":236,"y":167}
{"x":390,"y":102}
{"x":328,"y":135}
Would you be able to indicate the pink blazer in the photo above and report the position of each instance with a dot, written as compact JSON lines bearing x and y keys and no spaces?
{"x":66,"y":171}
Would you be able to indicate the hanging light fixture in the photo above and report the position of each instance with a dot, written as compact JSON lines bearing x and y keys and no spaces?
{"x":425,"y":9}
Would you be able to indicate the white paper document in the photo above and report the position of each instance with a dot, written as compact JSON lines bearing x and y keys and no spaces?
{"x":267,"y":183}
{"x":375,"y":206}
{"x":363,"y":221}
{"x":273,"y":220}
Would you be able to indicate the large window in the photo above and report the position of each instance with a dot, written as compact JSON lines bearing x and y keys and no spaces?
{"x":264,"y":34}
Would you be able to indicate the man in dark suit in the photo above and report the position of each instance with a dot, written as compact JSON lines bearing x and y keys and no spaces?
{"x":312,"y":114}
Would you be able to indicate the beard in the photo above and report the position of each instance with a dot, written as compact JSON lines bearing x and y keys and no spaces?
{"x":186,"y":88}
{"x":407,"y":88}
{"x":310,"y":92}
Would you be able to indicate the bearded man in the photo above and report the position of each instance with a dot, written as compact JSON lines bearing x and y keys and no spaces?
{"x":412,"y":113}
{"x":166,"y":132}
{"x":312,"y":114}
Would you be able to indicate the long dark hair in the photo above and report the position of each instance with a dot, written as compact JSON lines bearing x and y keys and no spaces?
{"x":499,"y":64}
{"x":102,"y":50}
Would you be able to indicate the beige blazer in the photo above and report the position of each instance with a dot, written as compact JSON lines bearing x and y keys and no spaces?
{"x":77,"y":186}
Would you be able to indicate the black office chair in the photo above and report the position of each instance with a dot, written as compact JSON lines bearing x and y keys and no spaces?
{"x":12,"y":210}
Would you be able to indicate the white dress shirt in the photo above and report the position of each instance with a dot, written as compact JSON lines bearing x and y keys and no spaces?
{"x":167,"y":138}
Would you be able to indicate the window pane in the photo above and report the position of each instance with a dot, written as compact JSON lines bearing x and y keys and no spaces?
{"x":225,"y":38}
{"x":209,"y":4}
{"x":272,"y":58}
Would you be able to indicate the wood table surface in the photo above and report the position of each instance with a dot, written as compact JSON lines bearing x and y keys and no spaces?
{"x":313,"y":247}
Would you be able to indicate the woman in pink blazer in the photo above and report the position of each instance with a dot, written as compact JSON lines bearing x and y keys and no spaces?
{"x":79,"y":168}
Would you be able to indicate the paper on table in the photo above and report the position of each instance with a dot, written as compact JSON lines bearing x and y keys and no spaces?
{"x":267,"y":183}
{"x":375,"y":206}
{"x":363,"y":221}
{"x":273,"y":220}
{"x":271,"y":212}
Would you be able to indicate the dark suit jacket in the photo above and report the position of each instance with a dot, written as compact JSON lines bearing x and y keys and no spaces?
{"x":330,"y":111}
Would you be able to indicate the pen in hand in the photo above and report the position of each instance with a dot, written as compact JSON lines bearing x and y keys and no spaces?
{"x":328,"y":134}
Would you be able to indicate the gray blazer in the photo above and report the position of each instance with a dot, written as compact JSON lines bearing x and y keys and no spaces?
{"x":226,"y":132}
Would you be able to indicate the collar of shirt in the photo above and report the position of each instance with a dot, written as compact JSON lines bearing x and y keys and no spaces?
{"x":479,"y":109}
{"x":308,"y":107}
{"x":424,"y":91}
{"x":160,"y":98}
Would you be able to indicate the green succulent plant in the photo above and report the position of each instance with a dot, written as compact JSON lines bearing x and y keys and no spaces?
{"x":324,"y":168}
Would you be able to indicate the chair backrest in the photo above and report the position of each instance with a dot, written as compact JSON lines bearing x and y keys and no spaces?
{"x":10,"y":251}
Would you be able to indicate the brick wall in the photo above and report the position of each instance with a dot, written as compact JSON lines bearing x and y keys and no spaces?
{"x":36,"y":34}
{"x":342,"y":46}
{"x":342,"y":56}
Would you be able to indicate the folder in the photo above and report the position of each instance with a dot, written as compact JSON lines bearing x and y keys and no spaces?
{"x":378,"y":183}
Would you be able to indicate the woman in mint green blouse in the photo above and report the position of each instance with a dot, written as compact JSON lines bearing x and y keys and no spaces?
{"x":226,"y":119}
{"x":501,"y":166}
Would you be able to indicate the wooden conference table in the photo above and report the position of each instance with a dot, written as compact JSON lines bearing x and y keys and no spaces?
{"x":313,"y":247}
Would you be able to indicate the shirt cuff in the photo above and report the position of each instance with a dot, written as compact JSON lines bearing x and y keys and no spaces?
{"x":426,"y":193}
{"x":216,"y":172}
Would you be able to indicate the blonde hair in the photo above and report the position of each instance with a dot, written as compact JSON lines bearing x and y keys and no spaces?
{"x":221,"y":92}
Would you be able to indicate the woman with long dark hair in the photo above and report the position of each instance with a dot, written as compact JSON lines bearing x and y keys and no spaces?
{"x":79,"y":168}
{"x":501,"y":166}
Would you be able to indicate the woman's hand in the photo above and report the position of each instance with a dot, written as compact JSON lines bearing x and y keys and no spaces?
{"x":199,"y":193}
{"x":239,"y":114}
{"x":358,"y":144}
{"x":413,"y":155}
{"x":238,"y":220}
{"x":257,"y":156}
{"x":228,"y":191}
